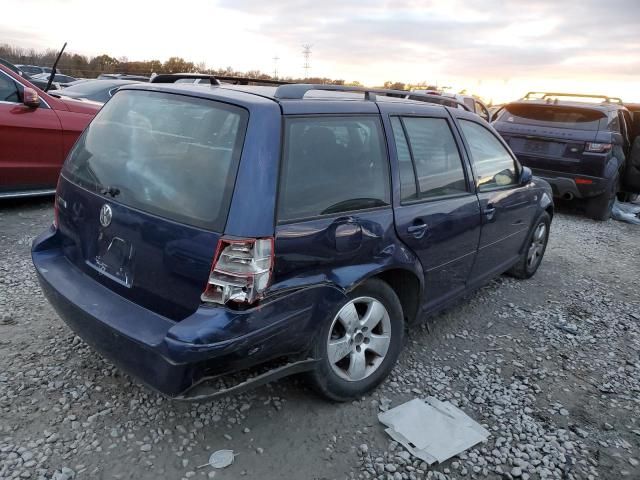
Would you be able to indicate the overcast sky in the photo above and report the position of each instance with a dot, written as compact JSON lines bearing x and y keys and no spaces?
{"x":496,"y":48}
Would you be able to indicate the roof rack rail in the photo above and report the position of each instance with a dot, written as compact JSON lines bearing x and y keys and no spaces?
{"x":546,"y":95}
{"x":297,"y":91}
{"x":174,"y":77}
{"x":251,"y":81}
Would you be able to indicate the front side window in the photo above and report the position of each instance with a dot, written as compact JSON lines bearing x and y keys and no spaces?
{"x":332,"y":165}
{"x":435,"y":155}
{"x":493,"y":165}
{"x":8,"y":90}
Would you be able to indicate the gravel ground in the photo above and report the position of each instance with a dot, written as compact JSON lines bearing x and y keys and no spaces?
{"x":549,"y":366}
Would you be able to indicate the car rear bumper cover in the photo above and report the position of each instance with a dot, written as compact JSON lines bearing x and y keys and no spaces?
{"x":564,"y":184}
{"x":172,"y":356}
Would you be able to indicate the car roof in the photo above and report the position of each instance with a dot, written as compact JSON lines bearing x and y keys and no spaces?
{"x":317,"y":101}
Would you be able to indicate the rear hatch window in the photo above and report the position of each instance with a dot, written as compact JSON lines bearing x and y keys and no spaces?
{"x":169,"y":155}
{"x":559,"y":116}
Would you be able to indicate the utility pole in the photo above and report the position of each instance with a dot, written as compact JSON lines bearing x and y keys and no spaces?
{"x":275,"y":67}
{"x":306,"y":54}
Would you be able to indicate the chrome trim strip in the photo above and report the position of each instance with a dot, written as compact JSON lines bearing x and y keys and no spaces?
{"x":28,"y":193}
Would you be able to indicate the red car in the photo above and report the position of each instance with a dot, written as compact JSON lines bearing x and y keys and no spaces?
{"x":36,"y":133}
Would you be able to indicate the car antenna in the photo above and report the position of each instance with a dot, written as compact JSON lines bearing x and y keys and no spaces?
{"x":53,"y":68}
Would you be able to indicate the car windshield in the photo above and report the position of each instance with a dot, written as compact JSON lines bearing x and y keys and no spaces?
{"x":170,"y":155}
{"x":558,"y":115}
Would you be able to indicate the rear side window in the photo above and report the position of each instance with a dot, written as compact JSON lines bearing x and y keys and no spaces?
{"x":558,"y":115}
{"x":169,"y":155}
{"x":436,"y":159}
{"x":408,"y":183}
{"x":494,"y":166}
{"x":332,"y":165}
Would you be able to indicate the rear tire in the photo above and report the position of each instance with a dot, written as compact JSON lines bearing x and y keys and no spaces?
{"x":534,"y":249}
{"x":359,"y":342}
{"x":599,"y":208}
{"x":627,"y":197}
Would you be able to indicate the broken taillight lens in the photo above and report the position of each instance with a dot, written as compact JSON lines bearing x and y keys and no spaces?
{"x":241,"y":270}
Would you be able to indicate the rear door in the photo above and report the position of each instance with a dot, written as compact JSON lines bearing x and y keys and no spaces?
{"x":31,"y":152}
{"x":334,"y":215}
{"x":145,"y":194}
{"x":507,"y":208}
{"x":437,"y":212}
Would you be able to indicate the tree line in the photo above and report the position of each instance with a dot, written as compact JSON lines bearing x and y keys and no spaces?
{"x":82,"y":66}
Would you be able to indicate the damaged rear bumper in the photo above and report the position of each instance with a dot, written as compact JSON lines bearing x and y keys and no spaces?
{"x":172,"y":357}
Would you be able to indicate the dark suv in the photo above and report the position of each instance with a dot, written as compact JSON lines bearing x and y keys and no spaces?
{"x":581,"y":148}
{"x":206,"y":230}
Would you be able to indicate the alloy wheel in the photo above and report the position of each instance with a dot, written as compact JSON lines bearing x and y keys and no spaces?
{"x":359,"y":339}
{"x":536,"y":249}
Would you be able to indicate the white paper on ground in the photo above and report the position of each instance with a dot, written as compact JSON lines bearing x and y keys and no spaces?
{"x":432,"y":430}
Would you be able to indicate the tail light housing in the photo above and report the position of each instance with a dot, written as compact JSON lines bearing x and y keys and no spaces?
{"x":241,"y":270}
{"x":598,"y":147}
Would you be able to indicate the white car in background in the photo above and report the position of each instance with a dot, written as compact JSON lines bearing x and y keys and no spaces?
{"x":474,"y":104}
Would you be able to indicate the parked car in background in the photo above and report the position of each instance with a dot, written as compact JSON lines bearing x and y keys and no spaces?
{"x":494,"y":110}
{"x":201,"y":231}
{"x":94,"y":90}
{"x":123,"y":76}
{"x":33,"y":70}
{"x":474,"y":104}
{"x":41,"y":84}
{"x":61,"y":80}
{"x":578,"y":146}
{"x":37,"y":131}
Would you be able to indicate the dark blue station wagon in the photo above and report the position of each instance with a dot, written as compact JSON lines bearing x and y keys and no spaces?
{"x":204,"y":231}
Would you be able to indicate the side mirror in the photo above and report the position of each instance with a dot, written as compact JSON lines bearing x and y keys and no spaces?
{"x":30,"y":98}
{"x":525,"y":176}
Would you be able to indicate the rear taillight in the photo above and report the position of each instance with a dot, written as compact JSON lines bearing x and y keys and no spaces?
{"x":598,"y":147}
{"x":241,"y":270}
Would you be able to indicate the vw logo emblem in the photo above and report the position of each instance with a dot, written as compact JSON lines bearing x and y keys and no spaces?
{"x":105,"y":215}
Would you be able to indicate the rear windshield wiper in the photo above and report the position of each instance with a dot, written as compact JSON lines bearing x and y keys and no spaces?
{"x":111,"y":191}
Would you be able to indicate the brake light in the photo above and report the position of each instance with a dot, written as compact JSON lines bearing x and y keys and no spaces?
{"x":241,"y":270}
{"x":598,"y":147}
{"x":584,"y":181}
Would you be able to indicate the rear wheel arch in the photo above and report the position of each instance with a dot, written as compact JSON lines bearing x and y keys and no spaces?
{"x":549,"y":211}
{"x":407,"y":287}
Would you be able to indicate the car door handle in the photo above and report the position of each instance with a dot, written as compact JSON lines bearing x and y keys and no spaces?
{"x":418,"y":230}
{"x":489,"y":211}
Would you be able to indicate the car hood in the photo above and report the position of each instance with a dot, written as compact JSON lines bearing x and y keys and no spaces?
{"x":80,"y":106}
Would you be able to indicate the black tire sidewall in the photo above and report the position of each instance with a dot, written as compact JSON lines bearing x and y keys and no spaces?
{"x":543,"y":218}
{"x":326,"y":381}
{"x":599,"y":208}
